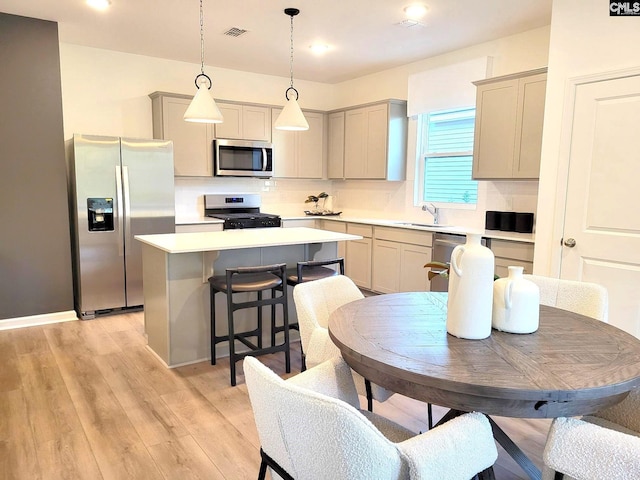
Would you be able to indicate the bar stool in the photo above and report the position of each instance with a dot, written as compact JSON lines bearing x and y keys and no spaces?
{"x":250,"y":280}
{"x":307,"y":272}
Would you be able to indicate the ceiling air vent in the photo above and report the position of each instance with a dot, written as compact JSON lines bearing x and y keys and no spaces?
{"x":235,"y":32}
{"x":409,"y":23}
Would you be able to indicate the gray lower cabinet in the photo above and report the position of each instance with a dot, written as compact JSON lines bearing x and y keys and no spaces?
{"x":398,"y":259}
{"x":358,"y":255}
{"x":508,"y":253}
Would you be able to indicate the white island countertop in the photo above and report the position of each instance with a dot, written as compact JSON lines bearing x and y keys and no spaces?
{"x":241,"y":238}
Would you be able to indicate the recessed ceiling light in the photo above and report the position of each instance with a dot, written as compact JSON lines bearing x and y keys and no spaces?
{"x":319,"y":48}
{"x":99,"y":4}
{"x":416,"y":10}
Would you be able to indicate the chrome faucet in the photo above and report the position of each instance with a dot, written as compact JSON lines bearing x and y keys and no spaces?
{"x":433,"y":210}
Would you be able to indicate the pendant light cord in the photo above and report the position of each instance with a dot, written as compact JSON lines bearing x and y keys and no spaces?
{"x":201,"y":39}
{"x":202,"y":75}
{"x":291,"y":59}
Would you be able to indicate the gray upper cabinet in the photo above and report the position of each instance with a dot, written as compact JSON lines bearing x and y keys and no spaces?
{"x":373,"y":144}
{"x":192,"y":142}
{"x":244,"y":122}
{"x":300,"y":154}
{"x":508,"y":129}
{"x":335,"y":154}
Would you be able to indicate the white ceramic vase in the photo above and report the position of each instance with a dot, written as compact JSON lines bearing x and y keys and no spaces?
{"x":516,"y":303}
{"x":470,"y":290}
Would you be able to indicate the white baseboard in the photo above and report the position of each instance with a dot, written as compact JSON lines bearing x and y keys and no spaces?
{"x":33,"y":320}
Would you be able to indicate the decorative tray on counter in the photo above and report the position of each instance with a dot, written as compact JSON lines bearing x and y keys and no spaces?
{"x":321,"y":214}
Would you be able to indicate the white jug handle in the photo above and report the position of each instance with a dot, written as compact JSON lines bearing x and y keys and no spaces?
{"x":458,"y":251}
{"x":507,"y":294}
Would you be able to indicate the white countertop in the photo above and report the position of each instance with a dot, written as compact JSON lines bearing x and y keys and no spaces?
{"x":495,"y":234}
{"x":241,"y":238}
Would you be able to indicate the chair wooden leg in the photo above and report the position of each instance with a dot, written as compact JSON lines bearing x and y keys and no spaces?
{"x":430,"y":416}
{"x":367,"y":387}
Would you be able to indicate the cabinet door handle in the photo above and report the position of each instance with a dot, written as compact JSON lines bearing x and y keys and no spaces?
{"x":570,"y":242}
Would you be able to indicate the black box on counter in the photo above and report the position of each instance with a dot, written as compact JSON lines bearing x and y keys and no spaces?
{"x":492,"y":220}
{"x":524,"y":222}
{"x":521,"y":222}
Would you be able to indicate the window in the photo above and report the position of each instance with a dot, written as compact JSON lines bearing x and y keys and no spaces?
{"x":447,"y":158}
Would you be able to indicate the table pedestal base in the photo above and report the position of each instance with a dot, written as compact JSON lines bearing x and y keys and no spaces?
{"x":505,"y":442}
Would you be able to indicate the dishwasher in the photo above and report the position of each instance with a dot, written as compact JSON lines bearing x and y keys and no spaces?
{"x":443,"y":245}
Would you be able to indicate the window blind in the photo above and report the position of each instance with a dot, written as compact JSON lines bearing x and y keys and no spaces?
{"x":449,"y":158}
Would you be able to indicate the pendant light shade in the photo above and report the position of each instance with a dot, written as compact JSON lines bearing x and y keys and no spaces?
{"x":291,"y":117}
{"x":203,"y":108}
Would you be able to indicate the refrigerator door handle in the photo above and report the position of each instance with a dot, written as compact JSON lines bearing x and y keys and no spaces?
{"x":119,"y":200}
{"x":127,"y":207}
{"x":264,"y":159}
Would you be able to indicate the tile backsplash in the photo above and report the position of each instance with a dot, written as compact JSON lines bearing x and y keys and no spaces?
{"x":355,"y":198}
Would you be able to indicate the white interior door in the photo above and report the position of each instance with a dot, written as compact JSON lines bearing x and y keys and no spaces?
{"x":603,"y":193}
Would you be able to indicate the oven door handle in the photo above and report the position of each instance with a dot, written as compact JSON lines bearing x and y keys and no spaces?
{"x":264,"y":159}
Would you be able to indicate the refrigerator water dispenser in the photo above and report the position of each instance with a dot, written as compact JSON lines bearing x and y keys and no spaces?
{"x":100,"y":214}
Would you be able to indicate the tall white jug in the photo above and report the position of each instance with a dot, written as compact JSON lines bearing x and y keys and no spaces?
{"x":516,"y":303}
{"x":470,"y":290}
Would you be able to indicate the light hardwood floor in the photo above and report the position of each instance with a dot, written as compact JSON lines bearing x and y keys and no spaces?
{"x":87,"y":400}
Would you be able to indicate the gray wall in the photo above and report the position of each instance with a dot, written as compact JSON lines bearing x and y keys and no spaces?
{"x":35,"y":256}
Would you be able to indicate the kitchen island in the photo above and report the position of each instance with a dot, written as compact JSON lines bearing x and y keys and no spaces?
{"x":175,"y":272}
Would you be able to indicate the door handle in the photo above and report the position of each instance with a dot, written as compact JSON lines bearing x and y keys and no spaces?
{"x":127,"y":208}
{"x":570,"y":242}
{"x":120,"y":210}
{"x":264,"y":159}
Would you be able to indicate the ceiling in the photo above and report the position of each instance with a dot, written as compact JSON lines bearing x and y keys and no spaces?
{"x":364,"y":36}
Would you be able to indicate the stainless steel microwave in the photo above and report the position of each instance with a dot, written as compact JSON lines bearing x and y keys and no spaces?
{"x":242,"y":158}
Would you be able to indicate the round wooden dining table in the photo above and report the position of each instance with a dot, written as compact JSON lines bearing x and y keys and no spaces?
{"x":572,"y":365}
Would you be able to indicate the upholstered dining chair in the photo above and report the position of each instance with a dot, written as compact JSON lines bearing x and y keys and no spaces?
{"x":310,"y":427}
{"x":315,"y":301}
{"x":585,"y":298}
{"x":603,"y":445}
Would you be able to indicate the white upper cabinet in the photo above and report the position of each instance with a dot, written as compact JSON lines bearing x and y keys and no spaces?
{"x":300,"y":154}
{"x":244,"y":122}
{"x":508,"y":130}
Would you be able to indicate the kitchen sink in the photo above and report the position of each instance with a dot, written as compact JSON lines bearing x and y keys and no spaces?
{"x":426,"y":225}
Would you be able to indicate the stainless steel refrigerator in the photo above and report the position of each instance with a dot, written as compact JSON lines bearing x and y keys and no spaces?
{"x":119,"y":188}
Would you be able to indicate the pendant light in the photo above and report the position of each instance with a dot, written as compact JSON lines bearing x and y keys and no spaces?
{"x":291,"y":117}
{"x":203,"y":108}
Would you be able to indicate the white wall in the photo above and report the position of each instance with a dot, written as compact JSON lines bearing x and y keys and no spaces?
{"x":106,"y":93}
{"x":371,"y":199}
{"x":584,"y":41}
{"x":512,"y":54}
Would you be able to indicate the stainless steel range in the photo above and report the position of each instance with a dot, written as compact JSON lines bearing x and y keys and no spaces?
{"x":239,"y":211}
